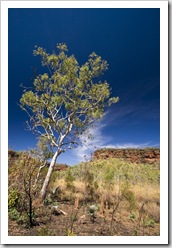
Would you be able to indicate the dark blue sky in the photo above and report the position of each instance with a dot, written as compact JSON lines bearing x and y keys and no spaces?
{"x":129,"y":39}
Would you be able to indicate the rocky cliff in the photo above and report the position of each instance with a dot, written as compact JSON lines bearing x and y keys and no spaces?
{"x":147,"y":155}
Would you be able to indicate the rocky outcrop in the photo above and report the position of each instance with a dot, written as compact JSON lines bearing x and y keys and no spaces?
{"x":147,"y":155}
{"x":61,"y":167}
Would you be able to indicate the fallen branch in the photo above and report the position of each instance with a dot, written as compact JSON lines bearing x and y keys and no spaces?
{"x":57,"y":211}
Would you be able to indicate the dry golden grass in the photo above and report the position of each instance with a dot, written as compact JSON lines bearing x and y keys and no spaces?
{"x":141,"y":199}
{"x":79,"y":187}
{"x":147,"y":192}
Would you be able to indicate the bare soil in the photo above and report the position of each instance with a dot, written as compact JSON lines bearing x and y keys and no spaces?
{"x":77,"y":222}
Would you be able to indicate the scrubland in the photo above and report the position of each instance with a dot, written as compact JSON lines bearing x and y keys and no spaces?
{"x":101,"y":197}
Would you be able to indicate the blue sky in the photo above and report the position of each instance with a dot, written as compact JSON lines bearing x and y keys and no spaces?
{"x":129,"y":39}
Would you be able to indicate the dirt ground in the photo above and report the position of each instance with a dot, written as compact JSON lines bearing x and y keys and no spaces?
{"x":77,"y":222}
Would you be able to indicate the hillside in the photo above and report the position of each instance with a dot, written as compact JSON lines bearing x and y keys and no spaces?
{"x":102,"y":197}
{"x":147,"y":155}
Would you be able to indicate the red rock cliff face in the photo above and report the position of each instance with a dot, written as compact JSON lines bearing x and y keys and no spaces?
{"x":147,"y":155}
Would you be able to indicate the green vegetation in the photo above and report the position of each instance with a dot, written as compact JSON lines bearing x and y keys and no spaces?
{"x":113,"y":192}
{"x":22,"y":191}
{"x":64,"y":101}
{"x":44,"y":231}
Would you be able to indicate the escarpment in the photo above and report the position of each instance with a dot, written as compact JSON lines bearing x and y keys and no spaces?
{"x":146,"y":155}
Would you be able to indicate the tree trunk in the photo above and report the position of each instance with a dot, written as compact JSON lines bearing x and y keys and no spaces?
{"x":48,"y":176}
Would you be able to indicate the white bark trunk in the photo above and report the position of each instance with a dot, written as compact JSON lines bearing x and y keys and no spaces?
{"x":37,"y":177}
{"x":48,"y":176}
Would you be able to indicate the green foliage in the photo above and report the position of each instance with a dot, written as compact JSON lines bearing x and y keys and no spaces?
{"x":111,"y":172}
{"x":149,"y":222}
{"x":89,"y":182}
{"x":47,"y":201}
{"x":13,"y":197}
{"x":44,"y":149}
{"x":132,"y":216}
{"x":14,"y":214}
{"x":109,"y":177}
{"x":65,"y":100}
{"x":130,"y":197}
{"x":66,"y":89}
{"x":69,"y":179}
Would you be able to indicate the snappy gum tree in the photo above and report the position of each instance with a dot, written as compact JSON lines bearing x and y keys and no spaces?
{"x":65,"y":100}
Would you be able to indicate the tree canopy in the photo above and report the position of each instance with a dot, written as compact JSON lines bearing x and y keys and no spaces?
{"x":66,"y":98}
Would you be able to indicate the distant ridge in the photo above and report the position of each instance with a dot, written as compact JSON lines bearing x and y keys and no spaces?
{"x":146,"y":155}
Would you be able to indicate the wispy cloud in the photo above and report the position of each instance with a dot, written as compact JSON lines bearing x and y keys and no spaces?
{"x":129,"y":145}
{"x":100,"y":139}
{"x":89,"y":145}
{"x":131,"y":110}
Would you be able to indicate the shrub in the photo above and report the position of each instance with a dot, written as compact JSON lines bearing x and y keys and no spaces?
{"x":129,"y":196}
{"x":69,"y":179}
{"x":70,"y":233}
{"x":149,"y":222}
{"x":14,"y":214}
{"x":13,"y":197}
{"x":44,"y":231}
